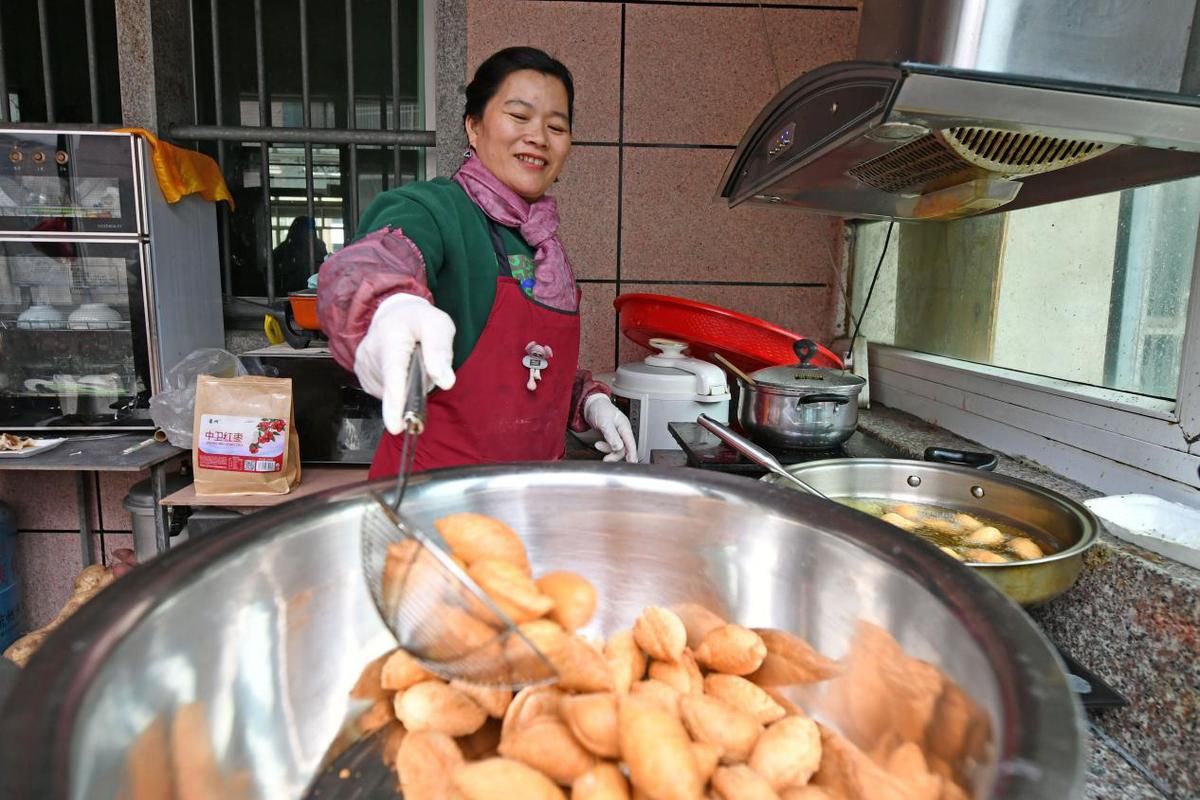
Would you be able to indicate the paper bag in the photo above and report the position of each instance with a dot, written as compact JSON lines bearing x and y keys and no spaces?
{"x":244,"y":438}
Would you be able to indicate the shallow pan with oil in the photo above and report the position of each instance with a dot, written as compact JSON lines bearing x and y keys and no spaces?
{"x":1047,"y":516}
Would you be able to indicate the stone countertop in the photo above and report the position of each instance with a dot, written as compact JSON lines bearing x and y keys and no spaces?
{"x":1110,"y":776}
{"x":1132,"y":618}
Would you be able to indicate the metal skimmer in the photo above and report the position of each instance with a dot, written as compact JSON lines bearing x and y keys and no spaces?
{"x":437,"y":612}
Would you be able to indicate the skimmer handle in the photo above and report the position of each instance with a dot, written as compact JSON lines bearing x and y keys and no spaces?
{"x":414,"y":403}
{"x":413,"y":421}
{"x":753,"y":452}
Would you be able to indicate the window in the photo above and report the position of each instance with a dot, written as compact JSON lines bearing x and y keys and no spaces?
{"x":1058,"y":332}
{"x":336,"y":115}
{"x":75,"y":80}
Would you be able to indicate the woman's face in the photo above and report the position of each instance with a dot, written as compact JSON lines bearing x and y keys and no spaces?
{"x":525,"y":134}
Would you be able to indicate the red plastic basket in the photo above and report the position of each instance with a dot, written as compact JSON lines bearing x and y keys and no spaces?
{"x":747,"y":342}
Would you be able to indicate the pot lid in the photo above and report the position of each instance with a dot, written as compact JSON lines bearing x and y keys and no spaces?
{"x":805,"y":376}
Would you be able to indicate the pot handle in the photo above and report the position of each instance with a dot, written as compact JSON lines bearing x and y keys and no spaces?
{"x":962,"y":458}
{"x":836,"y":399}
{"x":753,"y":452}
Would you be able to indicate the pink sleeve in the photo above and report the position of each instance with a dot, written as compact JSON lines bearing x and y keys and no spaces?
{"x":584,"y":388}
{"x":357,"y":278}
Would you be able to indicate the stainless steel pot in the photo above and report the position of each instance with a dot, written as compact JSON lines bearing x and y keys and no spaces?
{"x":800,"y":406}
{"x":1046,"y":514}
{"x":269,"y":624}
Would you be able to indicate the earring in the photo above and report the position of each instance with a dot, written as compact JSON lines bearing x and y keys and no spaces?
{"x":467,"y":153}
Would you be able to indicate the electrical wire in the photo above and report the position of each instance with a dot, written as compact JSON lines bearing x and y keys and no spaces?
{"x":887,"y":238}
{"x":836,"y":273}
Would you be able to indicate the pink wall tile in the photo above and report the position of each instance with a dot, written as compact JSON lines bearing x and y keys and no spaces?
{"x":584,"y":36}
{"x":116,"y":541}
{"x":801,"y":310}
{"x":587,"y":206}
{"x":597,"y":322}
{"x":674,"y":229}
{"x":694,"y":74}
{"x":113,"y":488}
{"x":47,"y":564}
{"x":700,"y":74}
{"x":42,"y":500}
{"x":102,"y":551}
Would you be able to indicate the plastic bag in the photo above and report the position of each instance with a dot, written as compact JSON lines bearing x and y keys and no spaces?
{"x":173,"y":409}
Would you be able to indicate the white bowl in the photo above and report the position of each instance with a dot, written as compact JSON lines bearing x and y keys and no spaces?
{"x":40,"y":316}
{"x":94,"y":315}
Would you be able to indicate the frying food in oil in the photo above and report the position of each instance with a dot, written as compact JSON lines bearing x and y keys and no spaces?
{"x":962,"y":536}
{"x":987,"y":536}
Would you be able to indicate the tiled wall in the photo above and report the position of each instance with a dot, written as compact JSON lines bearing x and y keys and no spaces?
{"x":49,"y":553}
{"x":664,"y":92}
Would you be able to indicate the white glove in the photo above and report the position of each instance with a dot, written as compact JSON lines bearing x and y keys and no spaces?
{"x":381,"y":362}
{"x":613,"y":425}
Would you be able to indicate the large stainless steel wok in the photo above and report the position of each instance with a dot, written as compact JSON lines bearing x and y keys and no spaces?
{"x":268,"y":624}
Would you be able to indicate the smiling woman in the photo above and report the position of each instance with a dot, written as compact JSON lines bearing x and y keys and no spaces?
{"x":523,"y":135}
{"x":473,"y":270}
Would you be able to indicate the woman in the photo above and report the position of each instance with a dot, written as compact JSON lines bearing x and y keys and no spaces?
{"x":296,"y":255}
{"x":472,"y":269}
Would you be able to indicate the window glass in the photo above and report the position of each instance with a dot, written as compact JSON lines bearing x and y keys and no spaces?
{"x":250,"y":231}
{"x":1093,"y":290}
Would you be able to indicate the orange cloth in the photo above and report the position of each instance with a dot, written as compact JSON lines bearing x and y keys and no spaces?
{"x":182,"y":172}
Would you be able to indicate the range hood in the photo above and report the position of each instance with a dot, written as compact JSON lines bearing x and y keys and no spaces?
{"x":963,"y":107}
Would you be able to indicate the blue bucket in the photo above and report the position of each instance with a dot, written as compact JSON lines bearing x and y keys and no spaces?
{"x":10,"y":590}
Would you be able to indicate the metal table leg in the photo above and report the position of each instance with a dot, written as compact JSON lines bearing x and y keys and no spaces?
{"x":158,"y":488}
{"x":83,"y":486}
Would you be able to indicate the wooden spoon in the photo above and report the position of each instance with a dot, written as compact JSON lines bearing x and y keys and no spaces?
{"x":736,"y":371}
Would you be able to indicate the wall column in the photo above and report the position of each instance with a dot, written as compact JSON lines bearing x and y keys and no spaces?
{"x":451,"y":81}
{"x":154,"y":56}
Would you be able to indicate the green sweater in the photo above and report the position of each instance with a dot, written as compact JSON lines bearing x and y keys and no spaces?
{"x":452,"y":234}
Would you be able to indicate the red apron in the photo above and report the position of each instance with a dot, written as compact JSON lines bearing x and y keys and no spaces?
{"x":491,"y":415}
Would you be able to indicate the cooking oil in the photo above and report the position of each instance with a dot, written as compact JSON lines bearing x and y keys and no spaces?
{"x":966,"y":535}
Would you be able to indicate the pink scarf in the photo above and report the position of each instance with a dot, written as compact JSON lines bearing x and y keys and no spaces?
{"x":538,"y":224}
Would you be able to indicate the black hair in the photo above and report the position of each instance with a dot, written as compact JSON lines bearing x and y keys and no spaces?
{"x":299,"y":226}
{"x":498,"y":66}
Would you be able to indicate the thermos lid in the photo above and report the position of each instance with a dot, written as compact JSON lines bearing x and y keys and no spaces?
{"x":671,"y":372}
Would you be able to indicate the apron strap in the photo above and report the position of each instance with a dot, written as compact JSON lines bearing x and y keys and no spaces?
{"x":498,"y":247}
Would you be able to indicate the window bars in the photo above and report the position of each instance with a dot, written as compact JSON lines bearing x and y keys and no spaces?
{"x":268,"y":132}
{"x":45,"y":20}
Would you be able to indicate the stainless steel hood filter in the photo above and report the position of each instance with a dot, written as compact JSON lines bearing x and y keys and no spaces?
{"x":970,"y":128}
